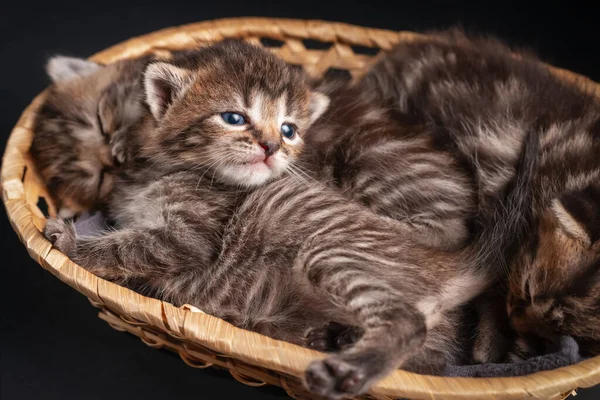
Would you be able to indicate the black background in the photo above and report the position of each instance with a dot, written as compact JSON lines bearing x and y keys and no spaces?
{"x":52,"y":344}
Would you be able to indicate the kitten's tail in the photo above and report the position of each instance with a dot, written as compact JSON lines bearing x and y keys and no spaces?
{"x":513,"y":218}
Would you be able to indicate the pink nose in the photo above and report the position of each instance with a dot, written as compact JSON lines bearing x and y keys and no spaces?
{"x":269,"y":147}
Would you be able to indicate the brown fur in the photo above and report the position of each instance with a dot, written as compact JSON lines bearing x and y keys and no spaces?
{"x":510,"y":120}
{"x":273,"y":255}
{"x":556,"y":291}
{"x":390,"y":164}
{"x":400,"y":307}
{"x":80,"y":128}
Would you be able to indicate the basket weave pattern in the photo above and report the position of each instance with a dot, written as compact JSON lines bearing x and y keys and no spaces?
{"x":202,"y":340}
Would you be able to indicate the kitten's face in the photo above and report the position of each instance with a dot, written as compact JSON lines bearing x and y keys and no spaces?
{"x":555,"y":287}
{"x":240,"y":114}
{"x":87,"y":105}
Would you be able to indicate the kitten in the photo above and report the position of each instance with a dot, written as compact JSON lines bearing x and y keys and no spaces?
{"x":215,"y":222}
{"x":490,"y":108}
{"x":80,"y":129}
{"x":389,"y":163}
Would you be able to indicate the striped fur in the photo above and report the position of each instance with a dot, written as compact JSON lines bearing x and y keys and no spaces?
{"x":510,"y":120}
{"x":80,"y":129}
{"x":279,"y":255}
{"x":390,"y":164}
{"x":291,"y":258}
{"x":290,"y":247}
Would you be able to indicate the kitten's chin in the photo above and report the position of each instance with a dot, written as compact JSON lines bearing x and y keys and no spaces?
{"x":249,"y":175}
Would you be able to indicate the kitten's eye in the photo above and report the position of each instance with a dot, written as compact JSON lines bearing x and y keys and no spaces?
{"x":101,"y":180}
{"x":233,"y":118}
{"x":288,"y":131}
{"x":101,"y":125}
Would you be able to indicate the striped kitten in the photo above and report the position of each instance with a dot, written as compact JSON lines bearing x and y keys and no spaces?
{"x":382,"y":159}
{"x":490,"y":108}
{"x":225,"y":229}
{"x":80,"y":129}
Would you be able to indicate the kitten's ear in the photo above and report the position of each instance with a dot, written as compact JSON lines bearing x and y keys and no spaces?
{"x":61,"y":68}
{"x":164,"y":83}
{"x":578,"y":213}
{"x":318,"y":104}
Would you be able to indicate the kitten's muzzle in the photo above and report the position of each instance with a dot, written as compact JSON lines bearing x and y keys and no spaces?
{"x":269,"y":147}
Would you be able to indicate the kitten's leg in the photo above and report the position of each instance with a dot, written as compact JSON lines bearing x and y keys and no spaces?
{"x":332,"y":337}
{"x":494,"y":337}
{"x":393,"y":330}
{"x":62,"y":235}
{"x":444,"y":346}
{"x":125,"y":254}
{"x":427,"y":361}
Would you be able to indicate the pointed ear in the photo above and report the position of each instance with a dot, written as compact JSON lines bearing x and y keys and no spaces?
{"x":318,"y":104}
{"x":164,"y":83}
{"x":578,"y":213}
{"x":61,"y":68}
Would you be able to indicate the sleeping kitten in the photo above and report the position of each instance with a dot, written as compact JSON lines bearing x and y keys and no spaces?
{"x":80,"y":129}
{"x":205,"y":215}
{"x":389,"y":163}
{"x":490,"y":107}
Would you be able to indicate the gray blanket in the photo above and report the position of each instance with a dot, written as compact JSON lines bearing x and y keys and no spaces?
{"x":567,"y":354}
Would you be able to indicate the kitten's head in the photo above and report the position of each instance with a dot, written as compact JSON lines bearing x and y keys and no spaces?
{"x":232,"y":109}
{"x":86,"y":105}
{"x":555,"y":287}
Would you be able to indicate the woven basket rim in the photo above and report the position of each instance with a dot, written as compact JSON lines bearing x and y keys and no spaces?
{"x":209,"y":331}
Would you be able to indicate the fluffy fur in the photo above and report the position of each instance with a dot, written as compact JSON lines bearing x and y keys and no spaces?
{"x":392,"y":165}
{"x":81,"y":127}
{"x":452,"y":149}
{"x":201,"y":218}
{"x":530,"y":143}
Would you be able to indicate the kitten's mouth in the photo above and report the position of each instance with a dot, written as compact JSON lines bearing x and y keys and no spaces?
{"x":251,"y":171}
{"x":259,"y":166}
{"x":259,"y":161}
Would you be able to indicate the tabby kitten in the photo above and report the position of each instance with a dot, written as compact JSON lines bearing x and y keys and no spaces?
{"x":384,"y":160}
{"x":81,"y":126}
{"x":220,"y":231}
{"x":489,"y":107}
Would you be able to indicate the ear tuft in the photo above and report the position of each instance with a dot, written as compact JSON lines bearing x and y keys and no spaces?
{"x":164,"y":83}
{"x":317,"y":106}
{"x":61,"y":68}
{"x":578,"y":213}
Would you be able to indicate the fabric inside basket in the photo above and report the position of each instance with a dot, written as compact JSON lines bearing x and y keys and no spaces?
{"x":566,"y":354}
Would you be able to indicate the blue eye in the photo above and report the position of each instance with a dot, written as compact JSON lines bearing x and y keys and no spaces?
{"x":233,"y":118}
{"x":288,"y":131}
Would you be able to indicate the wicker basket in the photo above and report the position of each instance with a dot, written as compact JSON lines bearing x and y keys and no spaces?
{"x":200,"y":339}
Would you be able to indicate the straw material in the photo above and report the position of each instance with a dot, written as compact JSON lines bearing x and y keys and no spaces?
{"x":200,"y":339}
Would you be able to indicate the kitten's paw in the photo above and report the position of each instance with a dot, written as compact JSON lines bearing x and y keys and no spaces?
{"x":335,"y":378}
{"x":118,"y":148}
{"x":332,"y":337}
{"x":485,"y":351}
{"x":491,"y":346}
{"x":62,"y":235}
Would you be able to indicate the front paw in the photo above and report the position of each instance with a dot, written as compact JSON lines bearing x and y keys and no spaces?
{"x":62,"y":236}
{"x":491,"y":346}
{"x":335,"y":378}
{"x":332,"y":337}
{"x":119,"y":148}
